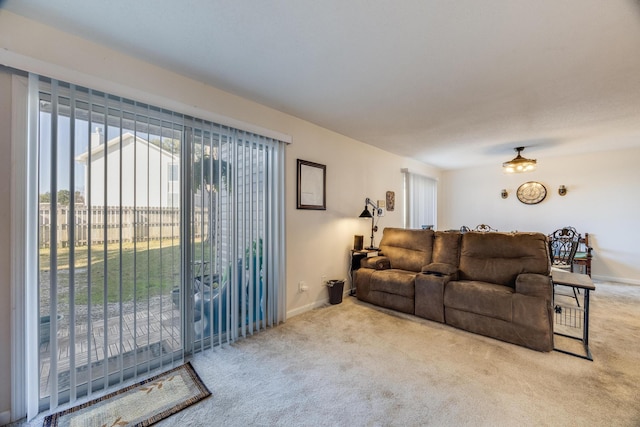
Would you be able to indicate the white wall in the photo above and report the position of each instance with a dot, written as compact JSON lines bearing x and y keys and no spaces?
{"x":144,"y":165}
{"x":602,"y":199}
{"x":318,"y":242}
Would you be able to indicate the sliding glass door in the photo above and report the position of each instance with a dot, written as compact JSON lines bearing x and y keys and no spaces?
{"x":159,"y":235}
{"x":109,"y":240}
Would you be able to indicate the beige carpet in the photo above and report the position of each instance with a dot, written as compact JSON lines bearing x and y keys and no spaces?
{"x":353,"y":364}
{"x":356,"y":365}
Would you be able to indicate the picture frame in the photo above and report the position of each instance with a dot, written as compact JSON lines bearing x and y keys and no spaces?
{"x":311,"y":186}
{"x":391,"y":201}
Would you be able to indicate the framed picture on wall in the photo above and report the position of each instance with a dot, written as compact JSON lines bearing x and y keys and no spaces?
{"x":391,"y":201}
{"x":311,"y":188}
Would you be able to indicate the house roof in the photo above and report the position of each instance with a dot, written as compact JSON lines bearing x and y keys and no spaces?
{"x":127,"y":138}
{"x":451,"y":83}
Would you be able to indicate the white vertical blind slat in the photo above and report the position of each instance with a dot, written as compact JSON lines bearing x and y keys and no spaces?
{"x":30,"y":252}
{"x":105,"y":263}
{"x":89,"y":246}
{"x":53,"y":264}
{"x":72,"y":246}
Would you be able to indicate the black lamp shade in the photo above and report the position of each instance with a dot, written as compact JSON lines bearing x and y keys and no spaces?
{"x":365,"y":213}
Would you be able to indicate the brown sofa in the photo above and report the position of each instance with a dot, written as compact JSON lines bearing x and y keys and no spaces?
{"x":494,"y":284}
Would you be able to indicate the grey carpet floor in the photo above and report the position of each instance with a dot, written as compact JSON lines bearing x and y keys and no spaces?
{"x":354,"y":364}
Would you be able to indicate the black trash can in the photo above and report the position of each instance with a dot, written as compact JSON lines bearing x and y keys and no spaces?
{"x":336,"y":287}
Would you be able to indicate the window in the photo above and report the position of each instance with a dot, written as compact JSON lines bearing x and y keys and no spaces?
{"x":420,"y":200}
{"x":109,"y":241}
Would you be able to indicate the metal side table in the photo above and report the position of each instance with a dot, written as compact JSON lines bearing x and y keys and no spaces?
{"x":574,"y":317}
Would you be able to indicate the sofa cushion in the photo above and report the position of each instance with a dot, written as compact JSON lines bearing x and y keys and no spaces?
{"x":487,"y":299}
{"x":541,"y":340}
{"x":407,"y":249}
{"x":501,"y":257}
{"x":439,"y":269}
{"x":397,"y":282}
{"x":446,"y":247}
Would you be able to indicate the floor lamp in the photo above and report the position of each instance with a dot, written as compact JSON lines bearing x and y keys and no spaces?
{"x":366,"y":214}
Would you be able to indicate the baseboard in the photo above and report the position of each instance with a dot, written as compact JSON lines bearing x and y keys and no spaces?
{"x":5,"y":418}
{"x":313,"y":305}
{"x":616,"y":279}
{"x":308,"y":307}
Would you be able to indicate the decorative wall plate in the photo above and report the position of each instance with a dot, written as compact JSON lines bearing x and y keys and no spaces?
{"x":531,"y":193}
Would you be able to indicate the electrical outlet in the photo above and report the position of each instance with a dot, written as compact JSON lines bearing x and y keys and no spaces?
{"x":302,"y":286}
{"x":381,"y":211}
{"x":323,"y":280}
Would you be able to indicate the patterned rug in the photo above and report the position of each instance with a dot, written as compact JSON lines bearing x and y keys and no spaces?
{"x":141,"y":404}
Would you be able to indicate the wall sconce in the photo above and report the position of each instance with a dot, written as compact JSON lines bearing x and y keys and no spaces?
{"x":504,"y":194}
{"x":562,"y":190}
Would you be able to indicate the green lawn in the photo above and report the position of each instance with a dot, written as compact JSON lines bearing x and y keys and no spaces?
{"x":148,"y":269}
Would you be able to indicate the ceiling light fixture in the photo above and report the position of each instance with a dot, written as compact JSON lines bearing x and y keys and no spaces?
{"x":519,"y":164}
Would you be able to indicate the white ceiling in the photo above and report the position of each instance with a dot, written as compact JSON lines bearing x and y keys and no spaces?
{"x":451,"y":83}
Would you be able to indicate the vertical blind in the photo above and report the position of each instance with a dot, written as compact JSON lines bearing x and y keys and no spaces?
{"x":159,"y":234}
{"x":236,"y":210}
{"x":420,"y":200}
{"x":109,"y":241}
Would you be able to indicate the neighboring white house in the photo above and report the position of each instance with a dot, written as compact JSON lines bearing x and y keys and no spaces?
{"x":150,"y":175}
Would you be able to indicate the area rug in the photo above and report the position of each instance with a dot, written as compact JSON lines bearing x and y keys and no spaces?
{"x":141,"y":404}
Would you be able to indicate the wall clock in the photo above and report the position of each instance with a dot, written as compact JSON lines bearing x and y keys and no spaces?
{"x":531,"y":193}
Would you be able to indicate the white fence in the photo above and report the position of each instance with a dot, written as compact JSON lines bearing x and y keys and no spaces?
{"x":112,"y":223}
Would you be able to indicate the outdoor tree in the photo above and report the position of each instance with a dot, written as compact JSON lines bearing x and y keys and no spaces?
{"x":62,"y":197}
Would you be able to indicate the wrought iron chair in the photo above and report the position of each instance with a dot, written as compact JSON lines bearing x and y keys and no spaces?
{"x":484,"y":228}
{"x":583,"y":254}
{"x":563,"y":244}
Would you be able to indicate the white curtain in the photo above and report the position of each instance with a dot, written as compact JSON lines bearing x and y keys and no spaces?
{"x":420,"y":200}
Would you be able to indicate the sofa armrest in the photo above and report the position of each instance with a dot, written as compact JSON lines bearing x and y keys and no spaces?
{"x":429,"y":296}
{"x":535,"y":285}
{"x":441,"y":269}
{"x":376,"y":263}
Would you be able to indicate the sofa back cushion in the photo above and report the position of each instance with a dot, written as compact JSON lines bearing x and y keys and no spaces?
{"x":446,"y":247}
{"x":407,"y":249}
{"x":501,"y":257}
